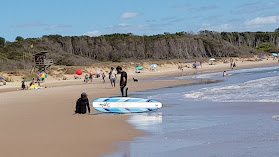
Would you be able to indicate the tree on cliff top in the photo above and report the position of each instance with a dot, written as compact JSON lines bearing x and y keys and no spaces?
{"x":19,"y":38}
{"x":2,"y":41}
{"x":267,"y":47}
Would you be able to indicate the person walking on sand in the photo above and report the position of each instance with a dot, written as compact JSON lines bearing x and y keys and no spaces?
{"x":91,"y":77}
{"x":23,"y":85}
{"x":39,"y":81}
{"x":86,"y":79}
{"x":123,"y":81}
{"x":112,"y":77}
{"x":233,"y":66}
{"x":103,"y":77}
{"x":81,"y":104}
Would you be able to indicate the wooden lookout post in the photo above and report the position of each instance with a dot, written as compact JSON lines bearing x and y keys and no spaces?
{"x":41,"y":64}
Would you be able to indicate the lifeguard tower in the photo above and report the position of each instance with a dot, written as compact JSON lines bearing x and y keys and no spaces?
{"x":41,"y":64}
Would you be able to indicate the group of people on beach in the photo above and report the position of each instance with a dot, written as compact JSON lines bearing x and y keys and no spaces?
{"x":83,"y":103}
{"x":33,"y":82}
{"x":88,"y":78}
{"x":180,"y":67}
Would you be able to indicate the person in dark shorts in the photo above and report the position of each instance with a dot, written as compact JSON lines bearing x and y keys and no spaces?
{"x":123,"y":81}
{"x":91,"y":77}
{"x":103,"y":77}
{"x":23,"y":85}
{"x":81,"y":104}
{"x":112,"y":77}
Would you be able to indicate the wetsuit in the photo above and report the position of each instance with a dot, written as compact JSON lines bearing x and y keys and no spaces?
{"x":123,"y":85}
{"x":81,"y":106}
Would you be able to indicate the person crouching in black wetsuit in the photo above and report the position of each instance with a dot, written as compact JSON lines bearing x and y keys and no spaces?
{"x":81,"y":104}
{"x":123,"y":81}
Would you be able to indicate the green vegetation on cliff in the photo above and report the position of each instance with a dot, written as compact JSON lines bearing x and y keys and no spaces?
{"x":84,"y":50}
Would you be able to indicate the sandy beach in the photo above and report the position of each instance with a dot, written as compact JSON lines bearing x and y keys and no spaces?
{"x":41,"y":122}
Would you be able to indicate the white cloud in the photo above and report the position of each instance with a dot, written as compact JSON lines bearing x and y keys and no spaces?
{"x":129,"y":15}
{"x":42,"y":25}
{"x":59,"y":27}
{"x":263,"y":20}
{"x":93,"y":33}
{"x":131,"y":28}
{"x":205,"y":24}
{"x":124,"y":24}
{"x":254,"y":7}
{"x":25,"y":25}
{"x":271,"y":4}
{"x":181,"y":6}
{"x":218,"y":28}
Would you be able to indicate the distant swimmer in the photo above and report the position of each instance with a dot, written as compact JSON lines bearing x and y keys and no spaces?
{"x":224,"y":74}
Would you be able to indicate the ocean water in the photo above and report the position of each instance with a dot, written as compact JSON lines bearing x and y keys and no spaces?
{"x":236,"y":117}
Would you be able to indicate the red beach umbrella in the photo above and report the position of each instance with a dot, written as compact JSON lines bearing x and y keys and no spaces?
{"x":79,"y":72}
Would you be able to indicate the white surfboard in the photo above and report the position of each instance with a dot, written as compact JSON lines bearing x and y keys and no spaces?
{"x":125,"y":105}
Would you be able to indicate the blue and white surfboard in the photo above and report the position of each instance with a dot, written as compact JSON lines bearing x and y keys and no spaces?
{"x":125,"y":105}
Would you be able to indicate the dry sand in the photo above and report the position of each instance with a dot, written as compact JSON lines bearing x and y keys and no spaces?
{"x":41,"y":122}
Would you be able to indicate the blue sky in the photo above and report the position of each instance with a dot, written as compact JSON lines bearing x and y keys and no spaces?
{"x":35,"y":18}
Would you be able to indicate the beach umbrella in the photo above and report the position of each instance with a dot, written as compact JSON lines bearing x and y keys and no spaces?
{"x":187,"y":62}
{"x":197,"y":64}
{"x":275,"y":54}
{"x":79,"y":72}
{"x":154,"y":66}
{"x":139,"y":68}
{"x":43,"y":75}
{"x":99,"y":72}
{"x":1,"y":78}
{"x":212,"y":59}
{"x":262,"y":57}
{"x":90,"y":72}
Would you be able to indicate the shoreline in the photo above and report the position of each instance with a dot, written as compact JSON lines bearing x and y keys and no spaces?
{"x":46,"y":121}
{"x":167,"y":71}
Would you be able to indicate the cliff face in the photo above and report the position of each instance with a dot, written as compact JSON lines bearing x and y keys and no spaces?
{"x":206,"y":44}
{"x":116,"y":47}
{"x":251,"y":39}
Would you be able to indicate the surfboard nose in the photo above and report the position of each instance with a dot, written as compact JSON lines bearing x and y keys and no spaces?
{"x":159,"y":105}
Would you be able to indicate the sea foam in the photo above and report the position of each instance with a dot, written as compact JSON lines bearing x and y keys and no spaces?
{"x":259,"y":90}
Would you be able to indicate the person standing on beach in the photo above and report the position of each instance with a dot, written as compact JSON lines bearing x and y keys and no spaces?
{"x":112,"y":77}
{"x":91,"y":77}
{"x":123,"y":81}
{"x":23,"y":85}
{"x":233,"y":66}
{"x":81,"y":104}
{"x":86,"y":79}
{"x":103,"y":77}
